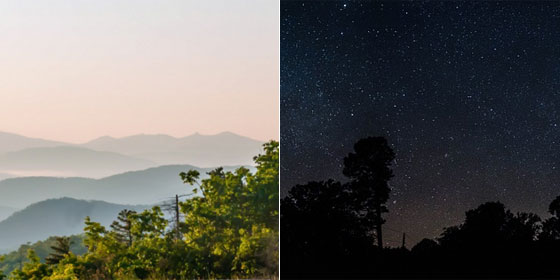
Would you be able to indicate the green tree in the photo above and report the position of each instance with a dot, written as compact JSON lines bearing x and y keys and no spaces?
{"x":2,"y":275}
{"x":122,"y":227}
{"x":61,"y":249}
{"x":32,"y":270}
{"x":233,"y":228}
{"x":42,"y":249}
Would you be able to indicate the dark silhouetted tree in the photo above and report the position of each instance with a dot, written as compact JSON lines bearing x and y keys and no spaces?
{"x":327,"y":232}
{"x":368,"y":167}
{"x":320,"y":229}
{"x":61,"y":250}
{"x":554,"y":207}
{"x":551,"y":226}
{"x":522,"y":228}
{"x":425,"y":247}
{"x":491,"y":242}
{"x":484,"y":227}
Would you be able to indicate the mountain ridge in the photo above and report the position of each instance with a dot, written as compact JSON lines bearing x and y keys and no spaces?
{"x":56,"y":217}
{"x":135,"y":152}
{"x":195,"y":134}
{"x":225,"y":148}
{"x":13,"y":142}
{"x":69,"y":161}
{"x":146,"y":186}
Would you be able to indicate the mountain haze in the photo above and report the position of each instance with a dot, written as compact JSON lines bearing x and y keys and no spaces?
{"x":10,"y":142}
{"x":63,"y":216}
{"x":225,"y":148}
{"x":68,"y":161}
{"x":23,"y":156}
{"x":5,"y":212}
{"x":148,"y":186}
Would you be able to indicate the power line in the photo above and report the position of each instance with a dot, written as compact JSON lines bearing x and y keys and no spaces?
{"x":171,"y":205}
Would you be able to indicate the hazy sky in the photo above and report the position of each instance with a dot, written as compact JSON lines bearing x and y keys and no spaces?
{"x":74,"y":70}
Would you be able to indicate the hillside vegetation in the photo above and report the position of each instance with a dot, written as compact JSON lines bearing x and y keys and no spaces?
{"x":229,"y":230}
{"x":63,"y":216}
{"x":15,"y":259}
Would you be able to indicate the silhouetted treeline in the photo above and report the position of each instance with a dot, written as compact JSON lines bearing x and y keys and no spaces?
{"x":331,"y":229}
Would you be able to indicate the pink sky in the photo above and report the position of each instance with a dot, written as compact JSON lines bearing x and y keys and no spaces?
{"x":75,"y":70}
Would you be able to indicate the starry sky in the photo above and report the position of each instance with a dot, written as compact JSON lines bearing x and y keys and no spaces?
{"x":467,"y":94}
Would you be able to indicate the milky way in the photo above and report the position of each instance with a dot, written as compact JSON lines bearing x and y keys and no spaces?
{"x":466,"y":93}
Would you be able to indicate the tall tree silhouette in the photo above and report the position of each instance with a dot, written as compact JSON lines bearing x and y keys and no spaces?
{"x":61,"y":249}
{"x":368,"y":167}
{"x":122,"y":227}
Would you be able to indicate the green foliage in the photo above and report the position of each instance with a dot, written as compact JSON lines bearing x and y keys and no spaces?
{"x":122,"y":227}
{"x":190,"y":177}
{"x":233,"y":228}
{"x":43,"y":249}
{"x":2,"y":275}
{"x":230,"y":231}
{"x":61,"y":249}
{"x":32,"y":270}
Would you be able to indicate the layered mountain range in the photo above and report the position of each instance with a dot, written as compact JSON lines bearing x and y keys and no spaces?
{"x":48,"y":187}
{"x":22,"y":156}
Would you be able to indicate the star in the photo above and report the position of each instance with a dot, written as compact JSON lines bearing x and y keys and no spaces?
{"x":467,"y":99}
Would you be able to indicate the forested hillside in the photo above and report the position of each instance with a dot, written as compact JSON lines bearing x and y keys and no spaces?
{"x":229,"y":230}
{"x":51,"y":217}
{"x":16,"y":258}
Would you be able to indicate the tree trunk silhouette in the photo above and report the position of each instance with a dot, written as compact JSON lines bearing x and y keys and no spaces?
{"x":378,"y":226}
{"x":368,"y":168}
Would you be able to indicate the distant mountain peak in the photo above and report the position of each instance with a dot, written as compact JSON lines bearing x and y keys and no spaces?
{"x":147,"y":135}
{"x":13,"y":135}
{"x":10,"y":142}
{"x":105,"y":137}
{"x":10,"y":134}
{"x":22,"y":156}
{"x":228,"y":133}
{"x":219,"y":134}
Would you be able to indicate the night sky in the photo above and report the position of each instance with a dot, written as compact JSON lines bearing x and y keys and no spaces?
{"x":468,"y":95}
